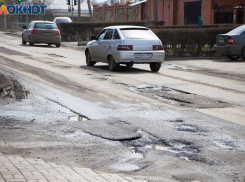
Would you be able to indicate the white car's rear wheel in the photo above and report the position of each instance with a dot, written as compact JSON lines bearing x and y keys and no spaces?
{"x":155,"y":67}
{"x":112,"y":64}
{"x":129,"y":65}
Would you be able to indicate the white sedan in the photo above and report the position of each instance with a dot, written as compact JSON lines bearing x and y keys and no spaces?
{"x":128,"y":45}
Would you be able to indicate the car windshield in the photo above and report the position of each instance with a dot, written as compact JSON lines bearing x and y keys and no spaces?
{"x":45,"y":25}
{"x":237,"y":30}
{"x":137,"y":33}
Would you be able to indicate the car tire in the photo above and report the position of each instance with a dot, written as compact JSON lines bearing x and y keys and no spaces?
{"x":23,"y":42}
{"x":30,"y":43}
{"x":243,"y":53}
{"x":129,"y":65}
{"x":88,"y":59}
{"x":57,"y":45}
{"x":233,"y":58}
{"x":112,"y":64}
{"x":155,"y":67}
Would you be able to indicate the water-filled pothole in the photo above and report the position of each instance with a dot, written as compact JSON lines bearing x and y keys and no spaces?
{"x":78,"y":118}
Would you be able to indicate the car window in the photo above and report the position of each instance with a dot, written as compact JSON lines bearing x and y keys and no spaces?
{"x":138,"y":33}
{"x":101,"y":35}
{"x":116,"y":35}
{"x":63,"y":20}
{"x":45,"y":25}
{"x":29,"y":26}
{"x":108,"y":34}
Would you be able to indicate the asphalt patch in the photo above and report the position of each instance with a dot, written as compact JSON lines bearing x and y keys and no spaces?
{"x":114,"y":130}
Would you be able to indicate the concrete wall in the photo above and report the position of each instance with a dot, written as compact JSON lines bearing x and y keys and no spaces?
{"x":117,"y":12}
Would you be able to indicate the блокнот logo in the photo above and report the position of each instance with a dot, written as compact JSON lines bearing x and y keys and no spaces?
{"x":15,"y":9}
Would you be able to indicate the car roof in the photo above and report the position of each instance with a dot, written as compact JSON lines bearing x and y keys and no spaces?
{"x":40,"y":21}
{"x":62,"y":17}
{"x":125,"y":26}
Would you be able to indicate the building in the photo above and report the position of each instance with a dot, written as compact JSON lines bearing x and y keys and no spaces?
{"x":174,"y":12}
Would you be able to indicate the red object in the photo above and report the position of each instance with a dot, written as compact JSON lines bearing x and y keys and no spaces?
{"x":58,"y":32}
{"x":125,"y":47}
{"x":34,"y":31}
{"x":157,"y":47}
{"x":230,"y":41}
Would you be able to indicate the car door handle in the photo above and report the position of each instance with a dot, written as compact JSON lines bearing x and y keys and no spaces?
{"x":108,"y":43}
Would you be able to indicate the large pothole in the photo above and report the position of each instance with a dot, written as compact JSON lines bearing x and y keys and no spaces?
{"x":177,"y":97}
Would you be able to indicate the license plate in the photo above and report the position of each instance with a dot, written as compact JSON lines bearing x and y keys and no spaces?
{"x":143,"y":55}
{"x":47,"y":33}
{"x":222,"y":40}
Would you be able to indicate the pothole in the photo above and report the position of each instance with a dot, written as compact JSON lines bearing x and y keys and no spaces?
{"x":187,"y":127}
{"x":55,"y":55}
{"x":98,"y":78}
{"x":152,"y":143}
{"x":175,"y":96}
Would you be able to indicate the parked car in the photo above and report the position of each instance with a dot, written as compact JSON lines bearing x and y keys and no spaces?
{"x":231,"y":44}
{"x":62,"y":20}
{"x":127,"y":45}
{"x":41,"y":32}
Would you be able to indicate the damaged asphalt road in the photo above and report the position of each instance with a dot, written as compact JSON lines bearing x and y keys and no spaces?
{"x":133,"y":142}
{"x":119,"y":122}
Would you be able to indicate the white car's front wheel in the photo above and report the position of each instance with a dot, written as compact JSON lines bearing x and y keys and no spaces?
{"x":89,"y":62}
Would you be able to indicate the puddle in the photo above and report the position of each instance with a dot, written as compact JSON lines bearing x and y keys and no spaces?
{"x":187,"y":127}
{"x":157,"y":147}
{"x":78,"y":118}
{"x":179,"y":67}
{"x":125,"y":167}
{"x":222,"y":145}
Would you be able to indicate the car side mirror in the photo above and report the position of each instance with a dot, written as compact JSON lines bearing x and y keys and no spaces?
{"x":24,"y":27}
{"x":93,"y":37}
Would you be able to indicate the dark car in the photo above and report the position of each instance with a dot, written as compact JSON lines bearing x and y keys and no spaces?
{"x":62,"y":20}
{"x":41,"y":32}
{"x":231,"y":44}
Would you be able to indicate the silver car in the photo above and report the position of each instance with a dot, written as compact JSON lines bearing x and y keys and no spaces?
{"x":41,"y":32}
{"x":231,"y":44}
{"x":127,"y":45}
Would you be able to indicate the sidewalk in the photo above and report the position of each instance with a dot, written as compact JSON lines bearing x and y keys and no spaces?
{"x":14,"y":168}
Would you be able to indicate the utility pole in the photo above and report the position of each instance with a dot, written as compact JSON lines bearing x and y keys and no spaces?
{"x":90,"y":12}
{"x":155,"y":10}
{"x":4,"y":17}
{"x":79,"y":10}
{"x":72,"y":9}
